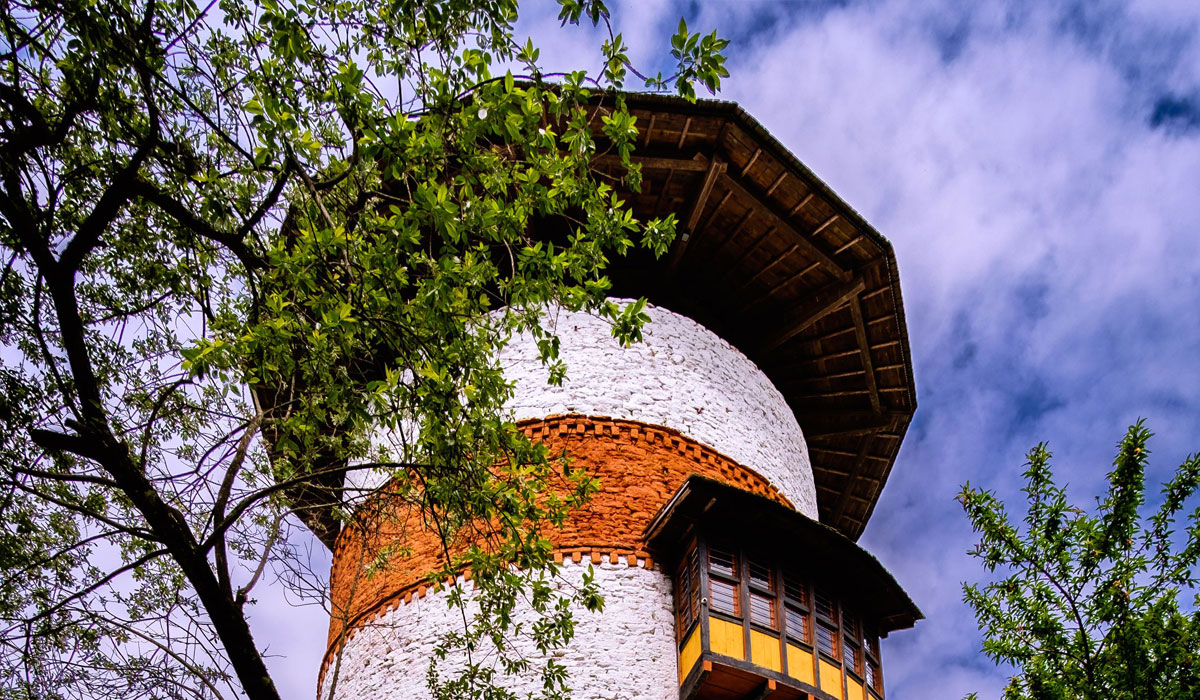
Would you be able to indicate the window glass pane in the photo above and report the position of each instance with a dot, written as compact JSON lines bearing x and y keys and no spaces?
{"x":827,"y":639}
{"x":871,"y":644}
{"x":694,"y":589}
{"x":724,"y":596}
{"x":795,"y":589}
{"x":762,"y":610}
{"x":872,"y":676}
{"x":825,"y":607}
{"x":683,"y":602}
{"x":722,"y":563}
{"x":850,"y":656}
{"x":797,"y":623}
{"x":761,"y":576}
{"x":850,"y":625}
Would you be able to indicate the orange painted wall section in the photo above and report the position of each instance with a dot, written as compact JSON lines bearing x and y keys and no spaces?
{"x":639,"y":467}
{"x":726,"y":638}
{"x":765,"y":651}
{"x":854,"y":690}
{"x":690,"y":654}
{"x":800,"y":664}
{"x":831,"y":679}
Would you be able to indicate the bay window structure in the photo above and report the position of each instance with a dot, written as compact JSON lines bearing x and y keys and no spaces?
{"x":767,"y":599}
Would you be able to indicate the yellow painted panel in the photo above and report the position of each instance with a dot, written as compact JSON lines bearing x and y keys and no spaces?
{"x":726,"y":638}
{"x":800,"y":664}
{"x":764,"y":651}
{"x":690,"y":653}
{"x":854,"y":690}
{"x":831,"y":679}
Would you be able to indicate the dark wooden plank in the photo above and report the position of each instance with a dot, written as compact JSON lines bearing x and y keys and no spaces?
{"x":825,"y":301}
{"x":864,"y":347}
{"x":716,"y":168}
{"x":860,"y":459}
{"x":653,"y":163}
{"x":784,"y":225}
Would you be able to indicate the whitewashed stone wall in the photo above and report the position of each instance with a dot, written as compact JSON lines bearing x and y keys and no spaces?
{"x":627,"y":652}
{"x":682,"y":376}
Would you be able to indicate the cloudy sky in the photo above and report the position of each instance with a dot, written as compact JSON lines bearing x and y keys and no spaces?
{"x":1037,"y":167}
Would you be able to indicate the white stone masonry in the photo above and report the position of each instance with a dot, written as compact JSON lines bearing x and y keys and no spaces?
{"x":627,"y":652}
{"x":682,"y":376}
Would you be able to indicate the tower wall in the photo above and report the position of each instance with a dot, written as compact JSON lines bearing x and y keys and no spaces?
{"x":642,"y":419}
{"x":681,"y":376}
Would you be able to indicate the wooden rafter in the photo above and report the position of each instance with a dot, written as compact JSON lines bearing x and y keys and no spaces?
{"x":750,"y":163}
{"x":653,"y":163}
{"x":833,"y":423}
{"x":649,"y":130}
{"x":864,"y":348}
{"x":783,"y":224}
{"x":747,"y":252}
{"x":824,"y":302}
{"x":714,"y":170}
{"x":864,"y":450}
{"x":764,"y":691}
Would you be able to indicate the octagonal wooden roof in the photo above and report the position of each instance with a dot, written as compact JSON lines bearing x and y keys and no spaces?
{"x":770,"y":259}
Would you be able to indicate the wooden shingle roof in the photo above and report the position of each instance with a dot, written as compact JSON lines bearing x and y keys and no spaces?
{"x":769,"y":258}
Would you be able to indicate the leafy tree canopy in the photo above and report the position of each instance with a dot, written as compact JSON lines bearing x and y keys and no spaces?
{"x":290,"y":223}
{"x":1092,"y":604}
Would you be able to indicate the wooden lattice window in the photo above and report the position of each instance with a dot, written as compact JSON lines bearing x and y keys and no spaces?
{"x":724,"y":590}
{"x":827,"y":626}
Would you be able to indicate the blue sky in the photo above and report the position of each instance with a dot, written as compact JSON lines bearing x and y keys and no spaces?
{"x":1037,"y":167}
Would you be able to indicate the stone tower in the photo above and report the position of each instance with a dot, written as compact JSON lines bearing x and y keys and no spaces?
{"x":740,"y":448}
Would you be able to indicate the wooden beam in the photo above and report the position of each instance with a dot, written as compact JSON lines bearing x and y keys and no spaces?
{"x":864,"y":349}
{"x":649,"y":129}
{"x":746,"y":253}
{"x":785,"y":225}
{"x":653,"y":163}
{"x":837,"y":424}
{"x":860,"y":459}
{"x":803,"y":203}
{"x":666,"y":190}
{"x":777,"y":288}
{"x":750,"y":164}
{"x":763,"y":691}
{"x":716,"y":210}
{"x":824,"y":302}
{"x":716,"y":168}
{"x":692,"y":689}
{"x":733,"y":232}
{"x":777,"y":183}
{"x":683,"y":135}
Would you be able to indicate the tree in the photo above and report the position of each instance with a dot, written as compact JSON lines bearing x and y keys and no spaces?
{"x":1092,"y":605}
{"x":239,"y":240}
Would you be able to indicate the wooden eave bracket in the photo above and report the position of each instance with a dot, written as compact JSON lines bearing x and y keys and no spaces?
{"x":764,"y":691}
{"x":714,"y":169}
{"x":824,"y":302}
{"x":781,"y":222}
{"x":864,"y":350}
{"x":864,"y":448}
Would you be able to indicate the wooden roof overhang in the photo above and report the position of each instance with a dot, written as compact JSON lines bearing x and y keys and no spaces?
{"x":799,"y":542}
{"x":770,"y":259}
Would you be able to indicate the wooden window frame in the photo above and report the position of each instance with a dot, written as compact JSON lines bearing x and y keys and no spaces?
{"x":736,"y":581}
{"x":852,"y":641}
{"x":833,"y":623}
{"x":688,"y":601}
{"x":870,"y":645}
{"x":861,"y":639}
{"x":770,"y":591}
{"x":803,"y":606}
